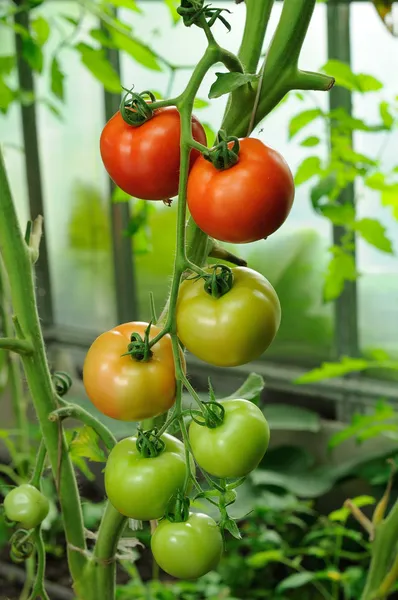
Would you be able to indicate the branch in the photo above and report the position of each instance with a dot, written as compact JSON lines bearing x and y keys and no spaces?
{"x":76,"y":412}
{"x":218,"y":251}
{"x":16,"y":345}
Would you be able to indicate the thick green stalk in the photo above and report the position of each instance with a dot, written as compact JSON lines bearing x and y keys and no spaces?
{"x":384,"y":551}
{"x":17,"y":261}
{"x":18,"y":399}
{"x":257,"y":16}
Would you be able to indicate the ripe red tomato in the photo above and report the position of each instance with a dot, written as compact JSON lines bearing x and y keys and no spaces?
{"x":246,"y":202}
{"x":144,"y":161}
{"x":124,"y":388}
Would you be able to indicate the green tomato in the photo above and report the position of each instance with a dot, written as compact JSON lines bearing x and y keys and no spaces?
{"x":26,"y":505}
{"x":189,"y":549}
{"x":233,"y":329}
{"x":234,"y":448}
{"x":141,"y":488}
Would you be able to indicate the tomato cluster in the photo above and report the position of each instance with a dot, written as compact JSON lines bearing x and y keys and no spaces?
{"x":240,"y":191}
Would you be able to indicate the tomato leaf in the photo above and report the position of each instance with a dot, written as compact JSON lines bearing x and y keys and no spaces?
{"x":7,"y":64}
{"x":57,"y":79}
{"x":231,"y":526}
{"x":130,"y":4}
{"x":328,"y":370}
{"x":310,"y":167}
{"x":374,"y":233}
{"x":200,"y":103}
{"x":261,"y":559}
{"x":291,"y":418}
{"x":345,"y":77}
{"x":85,"y":443}
{"x":41,"y":30}
{"x":98,"y":64}
{"x":324,"y":187}
{"x":386,"y":115}
{"x":302,"y":120}
{"x":343,"y":513}
{"x":296,"y":580}
{"x":250,"y":389}
{"x":139,"y":51}
{"x":32,"y":54}
{"x":172,"y":6}
{"x":310,"y":141}
{"x":341,"y":268}
{"x":6,"y":96}
{"x":339,"y":214}
{"x":228,"y":82}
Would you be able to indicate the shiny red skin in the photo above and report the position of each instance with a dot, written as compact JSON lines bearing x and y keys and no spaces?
{"x":144,"y":161}
{"x":245,"y":203}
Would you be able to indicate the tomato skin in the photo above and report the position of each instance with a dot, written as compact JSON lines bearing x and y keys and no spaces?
{"x":234,"y":329}
{"x":26,"y":505}
{"x":141,"y":488}
{"x":144,"y":161}
{"x":190,"y":549}
{"x":124,"y":388}
{"x":234,"y":448}
{"x":245,"y":203}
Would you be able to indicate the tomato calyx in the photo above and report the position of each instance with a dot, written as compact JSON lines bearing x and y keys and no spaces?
{"x":219,"y":282}
{"x":212,"y":413}
{"x":140,"y":349}
{"x":135,"y":109}
{"x":194,"y":11}
{"x":178,"y":509}
{"x":225,"y":154}
{"x":149,"y":444}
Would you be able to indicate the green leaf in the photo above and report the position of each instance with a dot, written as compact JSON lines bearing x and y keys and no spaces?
{"x":343,"y":513}
{"x":339,"y":214}
{"x":130,"y":4}
{"x":328,"y":370}
{"x":324,"y":187}
{"x":291,"y":418}
{"x":228,"y":82}
{"x":385,"y":114}
{"x":57,"y":79}
{"x":341,"y":268}
{"x":374,"y":233}
{"x":32,"y":54}
{"x":310,"y":167}
{"x":303,"y":119}
{"x":361,"y":423}
{"x":85,"y":443}
{"x":261,"y":559}
{"x":295,"y":581}
{"x":250,"y":389}
{"x":345,"y":77}
{"x":98,"y":64}
{"x":310,"y":141}
{"x":6,"y":96}
{"x":199,"y":103}
{"x":172,"y":6}
{"x":41,"y":30}
{"x":231,"y":526}
{"x":139,"y":51}
{"x":7,"y":64}
{"x":119,"y":195}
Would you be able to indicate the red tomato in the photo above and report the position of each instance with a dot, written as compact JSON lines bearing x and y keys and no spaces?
{"x":246,"y":202}
{"x":144,"y":161}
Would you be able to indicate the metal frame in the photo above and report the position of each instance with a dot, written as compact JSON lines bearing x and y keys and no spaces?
{"x":346,"y":392}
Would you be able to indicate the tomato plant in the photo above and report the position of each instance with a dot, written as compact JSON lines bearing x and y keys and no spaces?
{"x":245,"y":202}
{"x":26,"y":505}
{"x":233,"y":329}
{"x":236,"y":446}
{"x":188,"y":549}
{"x":139,"y":487}
{"x":123,"y":387}
{"x":144,"y":161}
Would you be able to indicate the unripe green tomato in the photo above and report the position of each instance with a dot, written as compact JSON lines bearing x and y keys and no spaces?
{"x":233,"y":329}
{"x":141,"y":488}
{"x":26,"y":505}
{"x":234,"y":448}
{"x":189,"y":549}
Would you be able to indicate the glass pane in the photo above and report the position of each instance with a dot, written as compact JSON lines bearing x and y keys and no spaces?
{"x":75,"y":190}
{"x":294,"y":259}
{"x":378,"y":284}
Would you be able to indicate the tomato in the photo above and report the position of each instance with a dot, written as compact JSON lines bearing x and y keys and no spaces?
{"x":124,"y":388}
{"x":233,"y":329}
{"x":246,"y":202}
{"x":144,"y":161}
{"x":26,"y":505}
{"x":189,"y":549}
{"x":141,"y":488}
{"x":234,"y":448}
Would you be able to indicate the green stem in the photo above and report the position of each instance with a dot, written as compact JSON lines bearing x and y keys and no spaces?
{"x":77,"y":412}
{"x":39,"y":590}
{"x":17,"y":261}
{"x":30,"y":577}
{"x":16,"y":345}
{"x":257,"y":16}
{"x":10,"y":473}
{"x":99,"y":583}
{"x":39,"y":466}
{"x":383,"y":554}
{"x":15,"y":380}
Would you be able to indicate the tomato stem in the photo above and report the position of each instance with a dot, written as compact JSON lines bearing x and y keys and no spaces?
{"x":39,"y":466}
{"x":74,"y":411}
